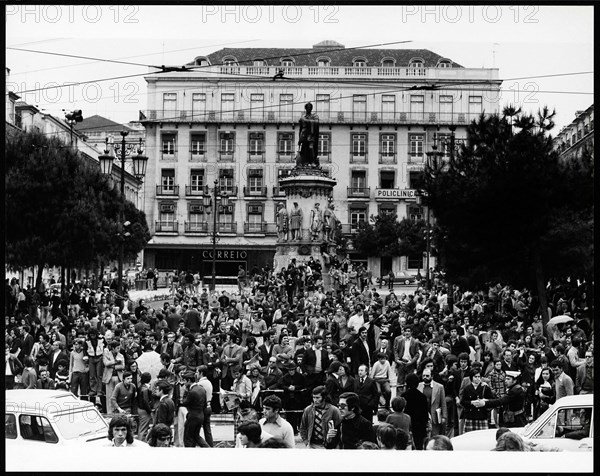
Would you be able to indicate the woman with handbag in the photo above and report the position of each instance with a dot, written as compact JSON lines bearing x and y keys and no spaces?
{"x":513,"y":403}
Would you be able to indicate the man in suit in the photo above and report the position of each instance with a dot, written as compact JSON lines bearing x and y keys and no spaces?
{"x":384,"y":348}
{"x":361,"y":351}
{"x":316,"y":362}
{"x":173,"y":349}
{"x":584,"y":381}
{"x":272,"y":374}
{"x":87,"y":302}
{"x":26,"y":343}
{"x":436,"y":401}
{"x":265,"y":350}
{"x":366,"y":389}
{"x":195,"y":402}
{"x":417,"y":409}
{"x":406,"y":353}
{"x":57,"y":354}
{"x":114,"y":364}
{"x":165,"y":408}
{"x":192,"y":319}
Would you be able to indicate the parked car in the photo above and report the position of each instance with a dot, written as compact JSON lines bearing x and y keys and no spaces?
{"x":553,"y":429}
{"x":57,"y":417}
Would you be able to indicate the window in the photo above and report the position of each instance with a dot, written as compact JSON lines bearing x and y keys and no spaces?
{"x":387,"y":179}
{"x":322,"y":106}
{"x":388,"y":145}
{"x":226,"y":217}
{"x":446,"y":108}
{"x":359,"y":107}
{"x":226,"y":144}
{"x":416,"y":63}
{"x":387,"y":209}
{"x":255,"y":181}
{"x":475,"y":106}
{"x":230,"y":61}
{"x":359,"y":144}
{"x":388,"y":63}
{"x":416,"y":179}
{"x":36,"y":428}
{"x":226,"y":180}
{"x":415,"y":261}
{"x":287,"y":62}
{"x":169,"y":105}
{"x":359,"y":62}
{"x":416,"y":144}
{"x":227,"y":106}
{"x":257,"y":106}
{"x":169,"y":144}
{"x":198,"y":143}
{"x":259,"y":63}
{"x":321,"y":62}
{"x":168,"y":180}
{"x":444,"y":64}
{"x":196,"y":220}
{"x":358,"y":216}
{"x":196,"y":180}
{"x":256,"y":143}
{"x":10,"y":426}
{"x":415,"y":212}
{"x":417,"y":107}
{"x":285,"y":144}
{"x":166,"y":217}
{"x":255,"y":217}
{"x":198,"y":106}
{"x":286,"y":107}
{"x":324,"y":146}
{"x":388,"y":107}
{"x":358,"y":180}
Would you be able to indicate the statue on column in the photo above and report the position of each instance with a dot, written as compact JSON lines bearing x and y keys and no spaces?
{"x":316,"y":221}
{"x":330,"y":223}
{"x":282,"y":222}
{"x":296,"y":222}
{"x":308,"y":139}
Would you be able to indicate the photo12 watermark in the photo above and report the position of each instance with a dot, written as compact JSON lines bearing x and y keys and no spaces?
{"x":69,"y":14}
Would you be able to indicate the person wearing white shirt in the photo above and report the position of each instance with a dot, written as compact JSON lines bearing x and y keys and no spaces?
{"x":273,"y":424}
{"x":356,"y":321}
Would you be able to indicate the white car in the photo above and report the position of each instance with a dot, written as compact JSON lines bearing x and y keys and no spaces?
{"x":34,"y":417}
{"x":570,"y":414}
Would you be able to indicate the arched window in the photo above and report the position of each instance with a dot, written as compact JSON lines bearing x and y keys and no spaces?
{"x":416,"y":63}
{"x":359,"y":62}
{"x":287,"y":62}
{"x":259,"y":62}
{"x":201,"y":61}
{"x":230,"y":61}
{"x":444,"y":63}
{"x":388,"y":62}
{"x":323,"y":61}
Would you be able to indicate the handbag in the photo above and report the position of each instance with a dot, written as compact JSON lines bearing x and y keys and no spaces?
{"x":508,"y":416}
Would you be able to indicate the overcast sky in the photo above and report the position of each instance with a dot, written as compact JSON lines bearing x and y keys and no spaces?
{"x":522,"y":41}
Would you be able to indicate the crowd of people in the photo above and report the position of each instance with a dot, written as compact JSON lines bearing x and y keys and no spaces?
{"x":345,"y":366}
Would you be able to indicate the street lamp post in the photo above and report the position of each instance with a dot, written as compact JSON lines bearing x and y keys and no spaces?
{"x":433,"y":163}
{"x":215,"y":233}
{"x":140,"y":161}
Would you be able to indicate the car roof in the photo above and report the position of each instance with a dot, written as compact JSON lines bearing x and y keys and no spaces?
{"x":583,"y":399}
{"x":44,"y":401}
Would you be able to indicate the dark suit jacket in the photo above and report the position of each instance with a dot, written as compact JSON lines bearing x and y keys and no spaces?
{"x":360,"y":356}
{"x":165,"y":412}
{"x":367,"y":394}
{"x":350,"y":433}
{"x":195,"y":401}
{"x":413,"y":350}
{"x":264,"y":354}
{"x":418,"y":410}
{"x":26,"y":346}
{"x":53,"y":363}
{"x":272,"y":379}
{"x":310,"y":360}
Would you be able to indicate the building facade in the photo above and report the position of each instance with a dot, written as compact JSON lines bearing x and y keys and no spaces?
{"x":232,"y":117}
{"x":574,"y":139}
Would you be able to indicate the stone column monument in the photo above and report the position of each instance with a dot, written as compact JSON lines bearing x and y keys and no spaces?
{"x":308,"y":190}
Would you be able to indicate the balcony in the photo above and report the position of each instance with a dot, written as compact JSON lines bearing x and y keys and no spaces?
{"x":227,"y":227}
{"x":166,"y":227}
{"x":358,"y":158}
{"x":278,"y":192}
{"x":332,"y":117}
{"x":286,"y":157}
{"x":387,"y":158}
{"x":226,"y":156}
{"x":255,"y":192}
{"x":256,"y":157}
{"x":230,"y":191}
{"x":170,"y":191}
{"x":198,"y":156}
{"x":359,"y":192}
{"x":194,"y":191}
{"x":170,"y":156}
{"x":193,"y":227}
{"x":255,"y":228}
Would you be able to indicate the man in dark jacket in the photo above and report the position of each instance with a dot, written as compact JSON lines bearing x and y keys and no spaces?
{"x":361,"y":351}
{"x":417,"y":409}
{"x":353,"y":429}
{"x":165,"y":409}
{"x":195,"y":402}
{"x":368,"y":395}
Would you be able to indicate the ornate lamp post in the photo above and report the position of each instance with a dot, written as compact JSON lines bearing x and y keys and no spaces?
{"x":433,"y":162}
{"x":211,"y":207}
{"x":123,"y":150}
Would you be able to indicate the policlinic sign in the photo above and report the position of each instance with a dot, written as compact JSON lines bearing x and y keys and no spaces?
{"x":395,"y":193}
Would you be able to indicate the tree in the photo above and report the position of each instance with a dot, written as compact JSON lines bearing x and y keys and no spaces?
{"x":386,"y":236}
{"x":60,"y":209}
{"x":508,"y":209}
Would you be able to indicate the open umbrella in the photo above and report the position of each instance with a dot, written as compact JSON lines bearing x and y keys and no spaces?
{"x":559,"y":320}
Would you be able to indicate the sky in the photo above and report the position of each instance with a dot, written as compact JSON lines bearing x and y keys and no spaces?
{"x":540,"y":51}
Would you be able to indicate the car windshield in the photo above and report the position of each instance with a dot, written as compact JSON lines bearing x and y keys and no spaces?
{"x":77,"y":424}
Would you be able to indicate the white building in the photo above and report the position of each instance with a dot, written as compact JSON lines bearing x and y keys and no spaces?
{"x":232,"y":117}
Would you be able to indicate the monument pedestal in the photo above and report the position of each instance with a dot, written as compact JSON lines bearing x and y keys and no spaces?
{"x":305,"y":186}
